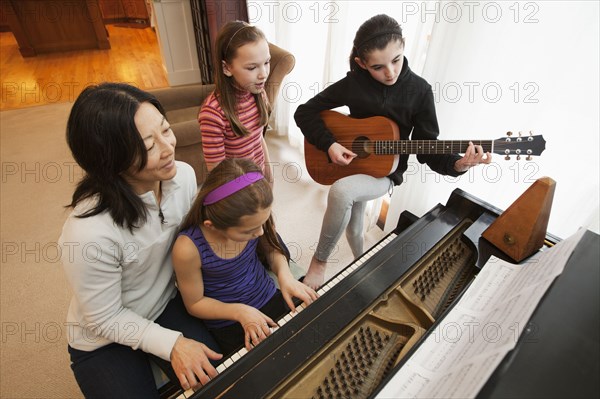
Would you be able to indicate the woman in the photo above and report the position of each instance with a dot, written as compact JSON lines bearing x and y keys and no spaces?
{"x":116,"y":249}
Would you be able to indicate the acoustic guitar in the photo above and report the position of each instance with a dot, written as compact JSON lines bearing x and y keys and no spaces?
{"x":376,"y":141}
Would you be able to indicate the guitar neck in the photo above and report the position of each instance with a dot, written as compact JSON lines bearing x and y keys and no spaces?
{"x":393,"y":147}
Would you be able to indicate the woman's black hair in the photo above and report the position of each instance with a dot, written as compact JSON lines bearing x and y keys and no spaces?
{"x":374,"y":34}
{"x":105,"y":142}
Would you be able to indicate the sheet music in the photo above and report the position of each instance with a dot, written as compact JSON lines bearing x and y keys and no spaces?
{"x":461,"y":353}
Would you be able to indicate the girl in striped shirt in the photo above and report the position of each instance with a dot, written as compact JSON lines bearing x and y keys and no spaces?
{"x":233,"y":117}
{"x":221,"y":256}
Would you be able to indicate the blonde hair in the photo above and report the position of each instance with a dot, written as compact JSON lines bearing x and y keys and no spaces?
{"x":231,"y":37}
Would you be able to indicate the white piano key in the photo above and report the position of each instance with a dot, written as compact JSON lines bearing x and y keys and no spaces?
{"x":221,"y":367}
{"x":186,"y":394}
{"x":228,"y":362}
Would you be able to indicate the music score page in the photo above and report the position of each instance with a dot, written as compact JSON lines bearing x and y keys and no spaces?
{"x":463,"y":350}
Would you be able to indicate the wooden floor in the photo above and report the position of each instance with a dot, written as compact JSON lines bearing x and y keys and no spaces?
{"x":134,"y":58}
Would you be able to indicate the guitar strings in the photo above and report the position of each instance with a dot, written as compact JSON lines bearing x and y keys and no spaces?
{"x":418,"y":146}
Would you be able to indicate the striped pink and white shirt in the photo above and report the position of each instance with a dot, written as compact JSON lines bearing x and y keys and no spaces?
{"x":219,"y":142}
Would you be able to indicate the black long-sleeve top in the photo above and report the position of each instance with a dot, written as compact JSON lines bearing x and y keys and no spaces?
{"x":408,"y":102}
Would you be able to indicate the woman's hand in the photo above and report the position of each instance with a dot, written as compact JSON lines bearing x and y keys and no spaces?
{"x":473,"y":156}
{"x":292,"y":288}
{"x":340,"y":155}
{"x":189,"y":359}
{"x":256,"y":325}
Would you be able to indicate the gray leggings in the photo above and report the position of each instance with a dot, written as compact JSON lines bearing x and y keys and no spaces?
{"x":346,"y":211}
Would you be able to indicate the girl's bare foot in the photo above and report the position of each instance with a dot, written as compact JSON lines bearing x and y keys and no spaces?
{"x":316,"y":274}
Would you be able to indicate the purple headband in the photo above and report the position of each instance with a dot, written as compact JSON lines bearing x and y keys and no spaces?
{"x":232,"y":186}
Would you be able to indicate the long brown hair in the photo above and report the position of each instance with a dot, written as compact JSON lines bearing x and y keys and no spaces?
{"x":228,"y":211}
{"x":374,"y":34}
{"x":231,"y":37}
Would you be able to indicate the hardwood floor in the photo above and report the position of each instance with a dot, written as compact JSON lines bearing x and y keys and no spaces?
{"x":134,"y":58}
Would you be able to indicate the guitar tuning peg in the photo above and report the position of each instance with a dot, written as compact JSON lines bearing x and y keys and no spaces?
{"x":529,"y":158}
{"x":519,"y":134}
{"x":509,"y":134}
{"x":531,"y":132}
{"x":507,"y":158}
{"x":518,"y":157}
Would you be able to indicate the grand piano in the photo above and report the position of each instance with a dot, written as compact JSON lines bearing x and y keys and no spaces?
{"x":373,"y":315}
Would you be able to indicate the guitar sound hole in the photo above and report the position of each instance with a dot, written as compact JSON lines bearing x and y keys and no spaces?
{"x":361,"y":146}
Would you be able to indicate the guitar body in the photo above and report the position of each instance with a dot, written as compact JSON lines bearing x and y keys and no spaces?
{"x":356,"y":135}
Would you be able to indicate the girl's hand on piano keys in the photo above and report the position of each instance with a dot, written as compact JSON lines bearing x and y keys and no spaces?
{"x":292,"y":288}
{"x":189,"y":359}
{"x":256,"y":325}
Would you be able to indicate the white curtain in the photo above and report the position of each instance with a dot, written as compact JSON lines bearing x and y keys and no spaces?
{"x":494,"y":67}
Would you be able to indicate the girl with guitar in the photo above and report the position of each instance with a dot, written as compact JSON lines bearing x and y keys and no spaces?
{"x":379,"y":83}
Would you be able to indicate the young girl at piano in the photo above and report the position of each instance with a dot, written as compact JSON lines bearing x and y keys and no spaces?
{"x":379,"y":83}
{"x":233,"y":118}
{"x":221,"y":255}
